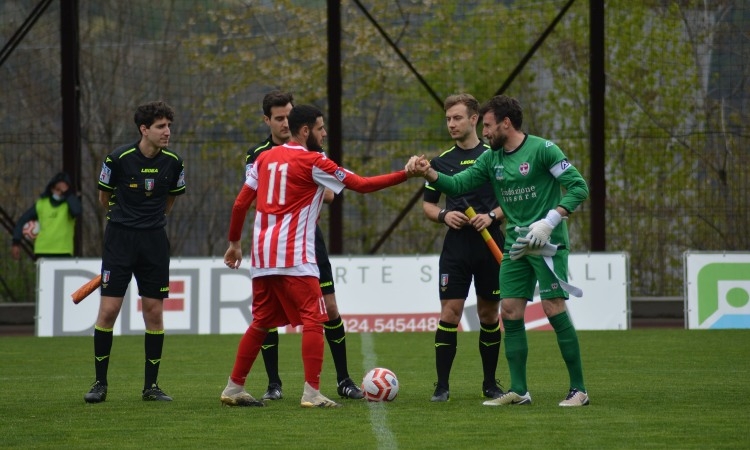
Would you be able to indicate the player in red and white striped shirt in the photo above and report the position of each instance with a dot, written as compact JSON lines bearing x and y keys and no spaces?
{"x":287,"y":183}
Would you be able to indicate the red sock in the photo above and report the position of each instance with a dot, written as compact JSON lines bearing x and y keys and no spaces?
{"x":312,"y":353}
{"x":247,"y":351}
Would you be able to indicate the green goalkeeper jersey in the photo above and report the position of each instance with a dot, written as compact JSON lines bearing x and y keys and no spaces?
{"x":527,"y":182}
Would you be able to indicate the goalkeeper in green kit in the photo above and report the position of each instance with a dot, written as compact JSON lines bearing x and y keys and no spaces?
{"x":528,"y":174}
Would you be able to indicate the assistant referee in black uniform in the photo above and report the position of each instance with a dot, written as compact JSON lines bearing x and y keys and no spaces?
{"x":276,"y":108}
{"x":138,"y":185}
{"x":465,"y":254}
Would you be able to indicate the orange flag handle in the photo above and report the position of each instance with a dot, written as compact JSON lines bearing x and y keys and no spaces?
{"x":86,"y":290}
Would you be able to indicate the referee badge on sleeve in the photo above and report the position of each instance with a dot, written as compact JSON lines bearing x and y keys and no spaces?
{"x":106,"y":174}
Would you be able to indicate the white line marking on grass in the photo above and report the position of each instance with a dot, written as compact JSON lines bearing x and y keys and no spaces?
{"x":378,"y":412}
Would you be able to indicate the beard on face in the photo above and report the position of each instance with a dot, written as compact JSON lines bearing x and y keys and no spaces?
{"x":312,"y":144}
{"x":498,"y":141}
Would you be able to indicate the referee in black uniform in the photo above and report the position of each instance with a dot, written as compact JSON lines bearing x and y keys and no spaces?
{"x":138,"y":185}
{"x":276,"y":108}
{"x":465,"y":254}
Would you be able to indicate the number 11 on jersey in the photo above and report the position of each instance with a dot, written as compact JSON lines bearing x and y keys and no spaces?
{"x":282,"y":169}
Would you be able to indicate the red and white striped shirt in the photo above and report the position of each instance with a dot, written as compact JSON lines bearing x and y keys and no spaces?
{"x":288,"y":182}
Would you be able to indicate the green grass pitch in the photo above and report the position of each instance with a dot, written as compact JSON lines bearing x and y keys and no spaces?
{"x":648,"y":389}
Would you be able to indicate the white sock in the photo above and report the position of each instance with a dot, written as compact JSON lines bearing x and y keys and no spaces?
{"x":233,"y":388}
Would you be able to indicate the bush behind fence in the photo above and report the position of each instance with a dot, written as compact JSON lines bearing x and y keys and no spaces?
{"x":677,"y":164}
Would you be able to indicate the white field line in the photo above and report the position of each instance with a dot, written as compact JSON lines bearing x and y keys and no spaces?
{"x":378,"y":412}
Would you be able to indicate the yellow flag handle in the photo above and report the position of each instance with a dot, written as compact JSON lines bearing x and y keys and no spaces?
{"x":487,"y":238}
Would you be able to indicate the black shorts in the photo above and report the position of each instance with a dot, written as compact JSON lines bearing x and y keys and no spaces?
{"x":465,"y":256}
{"x":324,"y":264}
{"x":140,"y":253}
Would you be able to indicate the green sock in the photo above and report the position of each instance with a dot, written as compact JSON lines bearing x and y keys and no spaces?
{"x":516,"y":352}
{"x":567,"y":340}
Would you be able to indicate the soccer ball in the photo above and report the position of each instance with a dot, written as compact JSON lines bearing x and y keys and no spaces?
{"x":31,"y":229}
{"x":380,"y":385}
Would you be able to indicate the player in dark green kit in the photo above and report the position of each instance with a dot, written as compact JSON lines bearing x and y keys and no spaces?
{"x":465,"y":255}
{"x":138,"y":185}
{"x":528,"y":174}
{"x":276,"y":108}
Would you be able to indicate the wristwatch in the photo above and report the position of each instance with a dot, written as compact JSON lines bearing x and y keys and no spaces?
{"x":492,"y":215}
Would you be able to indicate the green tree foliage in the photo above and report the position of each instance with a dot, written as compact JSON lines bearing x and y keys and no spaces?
{"x":675,"y":180}
{"x":677,"y":170}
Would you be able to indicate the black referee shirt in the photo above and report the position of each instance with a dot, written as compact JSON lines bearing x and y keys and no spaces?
{"x":254,"y":152}
{"x":455,"y":160}
{"x":140,"y":186}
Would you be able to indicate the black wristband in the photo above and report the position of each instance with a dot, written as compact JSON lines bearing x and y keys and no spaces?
{"x":441,"y":215}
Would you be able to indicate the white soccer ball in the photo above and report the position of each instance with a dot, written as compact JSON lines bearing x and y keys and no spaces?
{"x":380,"y":385}
{"x":31,"y":230}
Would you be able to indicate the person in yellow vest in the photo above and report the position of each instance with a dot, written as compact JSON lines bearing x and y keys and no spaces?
{"x":56,"y":211}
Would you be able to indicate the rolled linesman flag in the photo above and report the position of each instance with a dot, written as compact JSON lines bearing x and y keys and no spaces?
{"x":86,"y":290}
{"x":485,"y":235}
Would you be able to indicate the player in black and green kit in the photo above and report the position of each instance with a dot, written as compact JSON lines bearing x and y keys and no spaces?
{"x":276,"y":108}
{"x":465,"y":255}
{"x":527,"y":174}
{"x":138,"y":185}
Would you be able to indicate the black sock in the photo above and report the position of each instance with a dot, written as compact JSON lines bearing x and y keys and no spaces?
{"x":336,"y":337}
{"x":153,"y":343}
{"x":489,"y":349}
{"x":102,"y":349}
{"x":446,"y":338}
{"x":270,"y":350}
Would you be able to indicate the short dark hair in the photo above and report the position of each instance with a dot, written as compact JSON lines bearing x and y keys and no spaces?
{"x":148,"y":113}
{"x":503,"y":106}
{"x":472,"y":105}
{"x":276,"y":98}
{"x":302,"y":115}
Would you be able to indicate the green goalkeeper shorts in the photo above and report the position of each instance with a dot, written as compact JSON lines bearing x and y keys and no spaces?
{"x":518,"y":278}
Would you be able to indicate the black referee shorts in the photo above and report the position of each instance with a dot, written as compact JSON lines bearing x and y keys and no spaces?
{"x":141,"y":253}
{"x":324,"y":264}
{"x":464,"y":257}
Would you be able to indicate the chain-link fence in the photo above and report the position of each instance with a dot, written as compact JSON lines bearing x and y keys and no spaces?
{"x":677,"y":165}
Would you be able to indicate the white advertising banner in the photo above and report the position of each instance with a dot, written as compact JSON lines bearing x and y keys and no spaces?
{"x":717,"y":289}
{"x":374,"y":294}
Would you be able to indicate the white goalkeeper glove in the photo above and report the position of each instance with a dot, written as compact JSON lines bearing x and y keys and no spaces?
{"x":541,"y":230}
{"x":521,"y":247}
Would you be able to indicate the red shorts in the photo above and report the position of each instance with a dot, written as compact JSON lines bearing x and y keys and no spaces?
{"x":280,"y":300}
